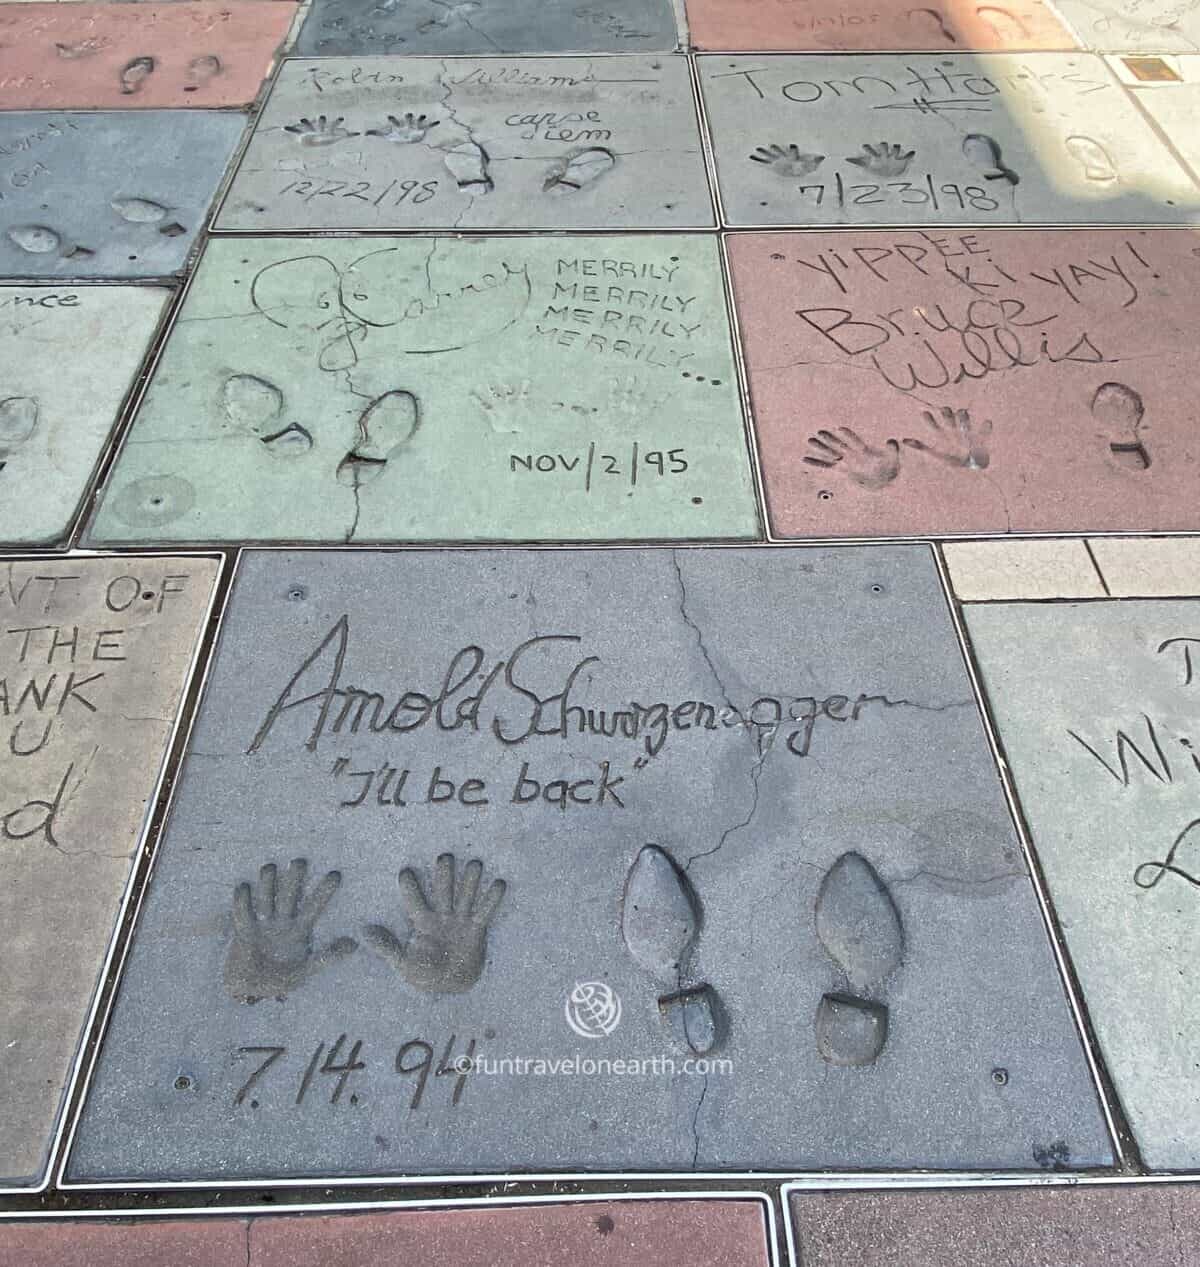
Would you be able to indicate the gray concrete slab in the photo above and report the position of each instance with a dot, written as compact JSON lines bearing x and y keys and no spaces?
{"x":1150,"y":26}
{"x":392,"y":389}
{"x":118,"y":194}
{"x":448,"y":27}
{"x":1096,"y":705}
{"x":917,"y":139}
{"x":486,"y":143}
{"x":791,"y":854}
{"x":95,"y":655}
{"x":70,"y":355}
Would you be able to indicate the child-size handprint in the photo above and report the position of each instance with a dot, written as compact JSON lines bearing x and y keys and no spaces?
{"x":272,"y":948}
{"x":447,"y":947}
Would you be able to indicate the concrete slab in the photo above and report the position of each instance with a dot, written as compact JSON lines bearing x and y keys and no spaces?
{"x":71,"y":355}
{"x":678,"y":1233}
{"x":911,"y":139}
{"x":95,"y":655}
{"x":534,"y":142}
{"x":117,"y":194}
{"x":865,"y":25}
{"x":1036,"y":568}
{"x":399,"y":389}
{"x":918,"y":384}
{"x":1149,"y":567}
{"x":1152,"y":26}
{"x":1168,"y":90}
{"x":1095,"y":703}
{"x":361,"y":28}
{"x":114,"y":56}
{"x":766,"y":915}
{"x":1103,"y":1226}
{"x":198,"y":1242}
{"x":694,"y":1233}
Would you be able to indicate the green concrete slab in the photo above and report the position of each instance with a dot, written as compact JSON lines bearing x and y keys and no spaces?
{"x":1096,"y":704}
{"x":69,"y":356}
{"x":392,"y":389}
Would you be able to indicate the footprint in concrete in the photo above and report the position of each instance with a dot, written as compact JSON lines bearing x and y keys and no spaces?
{"x":252,"y":404}
{"x":1120,"y":409}
{"x":200,"y":70}
{"x":139,"y":210}
{"x":984,"y":152}
{"x":578,"y":169}
{"x":135,"y":73}
{"x":146,"y":211}
{"x":18,"y":421}
{"x":860,"y":929}
{"x":660,"y":921}
{"x":37,"y":239}
{"x":387,"y":423}
{"x":1093,"y":158}
{"x":932,"y":21}
{"x":468,"y":164}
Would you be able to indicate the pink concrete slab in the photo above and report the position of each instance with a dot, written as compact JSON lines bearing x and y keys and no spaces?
{"x":864,"y":25}
{"x":915,"y":383}
{"x":681,"y":1233}
{"x":1108,"y":1226}
{"x":197,"y":1242}
{"x":693,"y":1233}
{"x":111,"y":56}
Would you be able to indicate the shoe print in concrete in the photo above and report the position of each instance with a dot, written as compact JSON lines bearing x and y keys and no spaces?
{"x":1007,"y":139}
{"x":114,"y":194}
{"x":113,"y":56}
{"x":942,"y":26}
{"x":460,"y":811}
{"x":396,"y":389}
{"x":1102,"y":1225}
{"x":669,"y":1233}
{"x":96,"y":655}
{"x":944,"y":383}
{"x":1105,"y":767}
{"x":70,"y":356}
{"x":400,"y":143}
{"x":1144,"y":26}
{"x":360,"y":28}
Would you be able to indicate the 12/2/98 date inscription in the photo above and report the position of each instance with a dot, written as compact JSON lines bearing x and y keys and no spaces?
{"x":341,"y":1061}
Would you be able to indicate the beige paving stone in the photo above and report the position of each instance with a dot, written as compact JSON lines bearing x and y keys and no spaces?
{"x":1150,"y":567}
{"x":94,"y":656}
{"x":1048,"y":567}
